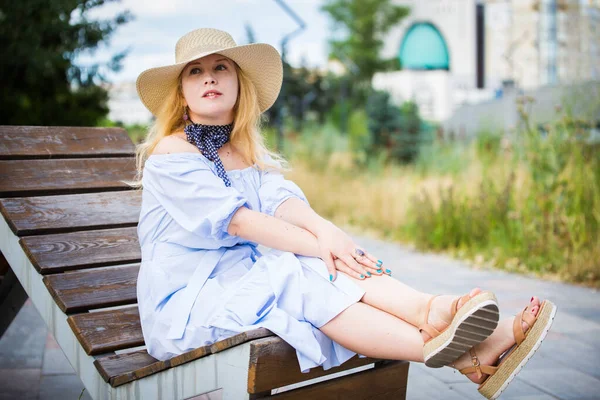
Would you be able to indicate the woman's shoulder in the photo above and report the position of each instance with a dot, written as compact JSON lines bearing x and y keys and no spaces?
{"x":174,"y":143}
{"x":174,"y":154}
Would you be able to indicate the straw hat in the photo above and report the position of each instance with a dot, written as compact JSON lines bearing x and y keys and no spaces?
{"x":261,"y":62}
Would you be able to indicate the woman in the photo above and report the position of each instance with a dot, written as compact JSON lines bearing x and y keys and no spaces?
{"x":212,"y":192}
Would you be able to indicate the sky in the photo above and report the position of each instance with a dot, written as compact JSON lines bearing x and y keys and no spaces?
{"x":158,"y":24}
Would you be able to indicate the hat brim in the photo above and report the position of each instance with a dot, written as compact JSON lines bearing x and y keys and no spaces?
{"x":261,"y":62}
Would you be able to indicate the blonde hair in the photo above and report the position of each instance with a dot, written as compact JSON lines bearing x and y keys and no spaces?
{"x":245,"y":137}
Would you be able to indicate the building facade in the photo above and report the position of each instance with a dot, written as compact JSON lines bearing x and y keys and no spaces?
{"x":456,"y":52}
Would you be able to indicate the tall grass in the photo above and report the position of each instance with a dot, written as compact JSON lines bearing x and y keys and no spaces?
{"x":528,"y":202}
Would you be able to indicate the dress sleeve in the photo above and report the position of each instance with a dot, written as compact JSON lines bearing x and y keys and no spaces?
{"x":275,"y":189}
{"x":193,"y":195}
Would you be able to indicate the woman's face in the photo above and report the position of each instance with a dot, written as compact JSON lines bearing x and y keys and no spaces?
{"x":210,"y":89}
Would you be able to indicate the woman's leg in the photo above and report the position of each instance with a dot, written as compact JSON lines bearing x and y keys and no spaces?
{"x":394,"y":297}
{"x":375,"y":333}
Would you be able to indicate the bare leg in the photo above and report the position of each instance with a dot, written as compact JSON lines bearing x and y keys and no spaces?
{"x":396,"y":298}
{"x":374,"y":333}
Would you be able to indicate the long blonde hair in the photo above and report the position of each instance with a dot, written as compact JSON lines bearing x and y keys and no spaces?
{"x":245,"y":137}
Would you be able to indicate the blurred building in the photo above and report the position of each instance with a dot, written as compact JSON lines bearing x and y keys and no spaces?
{"x":457,"y":52}
{"x":125,"y":105}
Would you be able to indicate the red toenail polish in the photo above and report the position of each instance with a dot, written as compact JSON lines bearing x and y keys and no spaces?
{"x":531,"y":299}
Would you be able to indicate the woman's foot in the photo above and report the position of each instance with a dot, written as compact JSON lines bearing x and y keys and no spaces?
{"x":490,"y":350}
{"x":440,"y":314}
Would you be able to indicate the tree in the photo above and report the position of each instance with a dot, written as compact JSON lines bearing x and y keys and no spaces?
{"x":396,"y":130}
{"x":364,"y":24}
{"x":41,"y":82}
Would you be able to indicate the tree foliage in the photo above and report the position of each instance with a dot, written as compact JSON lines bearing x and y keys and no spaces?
{"x":363,"y":24}
{"x":40,"y":41}
{"x":396,"y":130}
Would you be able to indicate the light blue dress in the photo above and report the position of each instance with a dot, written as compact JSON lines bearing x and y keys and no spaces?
{"x":197,"y":284}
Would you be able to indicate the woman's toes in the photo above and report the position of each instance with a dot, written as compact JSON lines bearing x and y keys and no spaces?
{"x":534,"y":307}
{"x":463,"y":300}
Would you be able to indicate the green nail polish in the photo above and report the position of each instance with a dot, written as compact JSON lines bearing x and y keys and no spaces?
{"x":379,"y":271}
{"x":362,"y":276}
{"x":379,"y":262}
{"x":368,"y":273}
{"x":331,"y":278}
{"x":388,"y":271}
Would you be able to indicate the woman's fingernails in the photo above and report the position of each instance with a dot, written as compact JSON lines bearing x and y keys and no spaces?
{"x":362,"y":276}
{"x":387,"y":271}
{"x":368,"y":273}
{"x":331,"y":278}
{"x":379,"y":271}
{"x":379,"y":262}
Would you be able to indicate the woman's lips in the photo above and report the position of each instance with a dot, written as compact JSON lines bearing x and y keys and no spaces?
{"x":212,"y":95}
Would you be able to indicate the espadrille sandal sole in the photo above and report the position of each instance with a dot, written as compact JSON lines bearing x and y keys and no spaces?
{"x":513,"y":362}
{"x":472,"y":324}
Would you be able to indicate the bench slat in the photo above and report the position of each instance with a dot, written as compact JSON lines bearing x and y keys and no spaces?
{"x":386,"y":382}
{"x":20,"y":178}
{"x":27,"y":142}
{"x":99,"y":288}
{"x":119,"y":369}
{"x":273,"y":364}
{"x":72,"y":212}
{"x":105,"y":331}
{"x":78,"y":250}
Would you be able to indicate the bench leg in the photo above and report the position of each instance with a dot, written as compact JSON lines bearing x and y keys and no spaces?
{"x":12,"y":296}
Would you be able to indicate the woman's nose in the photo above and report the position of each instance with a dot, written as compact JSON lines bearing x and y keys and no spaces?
{"x":209,"y":79}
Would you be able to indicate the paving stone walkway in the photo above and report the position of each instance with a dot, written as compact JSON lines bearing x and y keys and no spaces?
{"x":32,"y":366}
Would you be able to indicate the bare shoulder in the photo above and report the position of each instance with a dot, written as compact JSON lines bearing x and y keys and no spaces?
{"x":174,"y":143}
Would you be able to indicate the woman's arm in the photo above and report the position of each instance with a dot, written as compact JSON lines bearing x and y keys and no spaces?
{"x":331,"y":239}
{"x":297,"y":212}
{"x":273,"y":232}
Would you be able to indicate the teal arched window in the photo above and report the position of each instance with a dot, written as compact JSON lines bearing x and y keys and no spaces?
{"x":423,"y":47}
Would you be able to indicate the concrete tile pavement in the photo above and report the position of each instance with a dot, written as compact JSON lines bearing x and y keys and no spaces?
{"x":564,"y":366}
{"x":32,"y":366}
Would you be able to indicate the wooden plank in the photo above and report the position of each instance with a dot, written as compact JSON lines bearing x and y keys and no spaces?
{"x":20,"y":178}
{"x":98,"y":288}
{"x":72,"y":212}
{"x":50,"y":254}
{"x":119,"y":369}
{"x":273,"y":364}
{"x":27,"y":142}
{"x":386,"y":382}
{"x":106,"y":331}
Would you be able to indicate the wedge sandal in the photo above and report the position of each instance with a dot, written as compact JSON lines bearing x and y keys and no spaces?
{"x":514,"y":359}
{"x":472,"y":324}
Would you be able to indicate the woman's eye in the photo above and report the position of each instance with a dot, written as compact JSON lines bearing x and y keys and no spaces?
{"x":220,"y":67}
{"x":194,"y":71}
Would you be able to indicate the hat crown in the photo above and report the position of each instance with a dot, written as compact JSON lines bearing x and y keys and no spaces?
{"x":199,"y":41}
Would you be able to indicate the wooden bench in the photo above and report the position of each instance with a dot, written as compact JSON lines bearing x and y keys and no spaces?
{"x":68,"y":241}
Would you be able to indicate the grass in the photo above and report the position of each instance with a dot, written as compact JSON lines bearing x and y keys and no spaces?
{"x":529,"y":202}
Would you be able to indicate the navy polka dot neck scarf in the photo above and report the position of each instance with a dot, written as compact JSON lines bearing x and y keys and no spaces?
{"x":208,"y":139}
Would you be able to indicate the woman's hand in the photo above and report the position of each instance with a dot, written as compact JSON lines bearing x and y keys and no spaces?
{"x":340,"y":252}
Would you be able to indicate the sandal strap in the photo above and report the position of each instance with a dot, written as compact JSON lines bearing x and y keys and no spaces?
{"x":430,"y":330}
{"x":477,"y":367}
{"x":522,"y":316}
{"x":454,"y":306}
{"x":428,"y":309}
